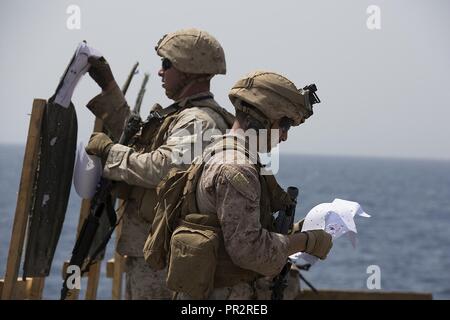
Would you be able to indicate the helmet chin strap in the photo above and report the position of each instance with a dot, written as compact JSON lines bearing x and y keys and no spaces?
{"x":271,"y":144}
{"x":265,"y":143}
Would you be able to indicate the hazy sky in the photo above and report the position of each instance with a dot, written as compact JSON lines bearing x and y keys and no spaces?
{"x":384,"y":92}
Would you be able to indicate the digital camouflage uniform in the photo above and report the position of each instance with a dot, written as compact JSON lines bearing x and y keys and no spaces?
{"x":143,"y":171}
{"x":231,"y":188}
{"x":141,"y":167}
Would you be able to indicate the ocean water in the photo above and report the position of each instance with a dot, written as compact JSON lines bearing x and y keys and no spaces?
{"x":407,"y":237}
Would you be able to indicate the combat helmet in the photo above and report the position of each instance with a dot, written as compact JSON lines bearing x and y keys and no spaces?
{"x":193,"y":51}
{"x":273,"y":97}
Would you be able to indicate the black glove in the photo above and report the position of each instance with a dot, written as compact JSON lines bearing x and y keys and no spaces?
{"x":100,"y":71}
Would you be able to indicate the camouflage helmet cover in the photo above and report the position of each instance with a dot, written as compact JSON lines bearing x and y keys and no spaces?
{"x":273,"y":95}
{"x":193,"y":51}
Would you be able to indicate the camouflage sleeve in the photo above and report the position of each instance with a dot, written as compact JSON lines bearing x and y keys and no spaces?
{"x":184,"y":141}
{"x":248,"y":244}
{"x":112,"y":108}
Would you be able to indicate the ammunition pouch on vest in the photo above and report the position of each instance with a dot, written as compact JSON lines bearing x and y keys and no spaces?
{"x":226,"y":273}
{"x":198,"y":261}
{"x":193,"y":259}
{"x":175,"y":197}
{"x":191,"y":242}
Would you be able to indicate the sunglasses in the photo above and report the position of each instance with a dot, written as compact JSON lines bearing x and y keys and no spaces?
{"x":166,"y":64}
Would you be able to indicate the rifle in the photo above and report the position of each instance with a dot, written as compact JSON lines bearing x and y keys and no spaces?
{"x":285,"y":221}
{"x":134,"y":121}
{"x":82,"y":254}
{"x":284,"y":224}
{"x":129,"y":78}
{"x":140,"y":97}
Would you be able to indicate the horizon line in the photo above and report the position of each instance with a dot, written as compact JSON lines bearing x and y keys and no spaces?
{"x":290,"y":153}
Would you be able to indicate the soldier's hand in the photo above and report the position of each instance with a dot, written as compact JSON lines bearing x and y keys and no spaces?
{"x":101,"y":72}
{"x":318,"y":243}
{"x":99,"y":145}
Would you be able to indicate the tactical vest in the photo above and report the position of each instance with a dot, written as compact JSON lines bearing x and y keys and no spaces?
{"x":152,"y":135}
{"x":193,"y":243}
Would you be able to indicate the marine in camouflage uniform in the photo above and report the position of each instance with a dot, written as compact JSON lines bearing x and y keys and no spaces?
{"x":190,"y":58}
{"x":232,"y":189}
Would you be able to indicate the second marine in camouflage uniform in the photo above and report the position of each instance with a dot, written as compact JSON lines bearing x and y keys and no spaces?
{"x":225,"y":243}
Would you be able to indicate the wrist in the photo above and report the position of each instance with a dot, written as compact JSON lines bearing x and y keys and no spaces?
{"x":109,"y":86}
{"x":105,"y":153}
{"x":297,"y":242}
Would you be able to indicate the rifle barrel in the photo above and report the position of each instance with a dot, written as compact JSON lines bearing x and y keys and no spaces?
{"x":126,"y":85}
{"x":140,"y":97}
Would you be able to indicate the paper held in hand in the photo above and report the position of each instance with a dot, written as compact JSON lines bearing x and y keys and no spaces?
{"x":77,"y":68}
{"x":336,"y":218}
